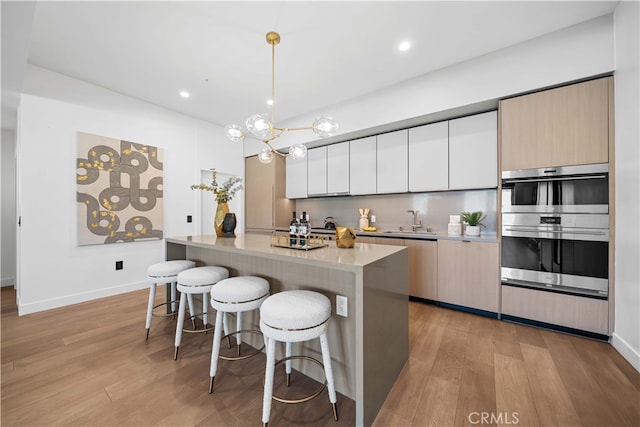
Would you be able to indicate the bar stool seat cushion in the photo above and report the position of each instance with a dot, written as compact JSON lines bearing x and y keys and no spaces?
{"x":297,"y":314}
{"x":202,"y":276}
{"x":239,"y":289}
{"x":169,"y":268}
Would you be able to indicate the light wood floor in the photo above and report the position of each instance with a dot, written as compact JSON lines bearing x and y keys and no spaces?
{"x":89,"y":365}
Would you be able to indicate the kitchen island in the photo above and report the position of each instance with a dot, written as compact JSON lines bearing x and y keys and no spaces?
{"x":370,"y":346}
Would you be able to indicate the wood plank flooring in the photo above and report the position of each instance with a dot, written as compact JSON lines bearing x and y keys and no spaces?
{"x":89,"y":365}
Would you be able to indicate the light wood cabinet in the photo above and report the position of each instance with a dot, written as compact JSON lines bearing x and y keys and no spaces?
{"x":473,"y":151}
{"x":266,"y":206}
{"x":296,"y":178}
{"x":393,"y":162}
{"x":558,"y":127}
{"x":423,"y":268}
{"x":468,"y":274}
{"x":362,"y":166}
{"x":429,"y":157}
{"x":338,"y":168}
{"x":586,"y":314}
{"x":317,"y":171}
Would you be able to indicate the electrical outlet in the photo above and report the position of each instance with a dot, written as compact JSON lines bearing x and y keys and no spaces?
{"x":189,"y":218}
{"x":342,"y":306}
{"x":373,"y":218}
{"x":119,"y":265}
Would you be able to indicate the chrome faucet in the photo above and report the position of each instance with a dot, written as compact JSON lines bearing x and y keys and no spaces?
{"x":415,"y":225}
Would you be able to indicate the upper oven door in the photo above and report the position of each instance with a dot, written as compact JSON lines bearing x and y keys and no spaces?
{"x":572,"y":189}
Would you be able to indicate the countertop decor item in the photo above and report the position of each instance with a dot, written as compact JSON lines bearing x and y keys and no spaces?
{"x":263,"y":128}
{"x":473,"y":221}
{"x":364,"y":218}
{"x":223,"y":194}
{"x":345,"y":237}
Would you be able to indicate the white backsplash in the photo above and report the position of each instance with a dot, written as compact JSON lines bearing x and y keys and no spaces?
{"x":391,"y":210}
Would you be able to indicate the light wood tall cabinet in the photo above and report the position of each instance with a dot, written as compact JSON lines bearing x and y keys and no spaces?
{"x":393,"y":162}
{"x":565,"y":126}
{"x":429,"y":157}
{"x":362,"y":166}
{"x":473,"y":151}
{"x":266,"y":206}
{"x":468,"y":274}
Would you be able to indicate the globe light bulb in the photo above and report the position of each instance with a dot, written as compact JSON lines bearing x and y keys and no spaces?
{"x":266,"y":156}
{"x":297,"y":151}
{"x":325,"y":126}
{"x":260,"y":126}
{"x":234,"y":133}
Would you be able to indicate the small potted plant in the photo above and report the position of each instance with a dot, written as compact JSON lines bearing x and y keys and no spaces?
{"x":473,"y":221}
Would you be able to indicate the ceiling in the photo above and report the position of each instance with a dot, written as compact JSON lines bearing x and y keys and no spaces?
{"x":330,"y":51}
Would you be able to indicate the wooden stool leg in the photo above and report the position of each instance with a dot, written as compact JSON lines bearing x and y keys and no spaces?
{"x":215,"y":350}
{"x":180,"y":324}
{"x":152,"y":298}
{"x":268,"y":379}
{"x":326,"y":361}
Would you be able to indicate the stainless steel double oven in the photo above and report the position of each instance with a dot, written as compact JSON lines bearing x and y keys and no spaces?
{"x":555,"y":229}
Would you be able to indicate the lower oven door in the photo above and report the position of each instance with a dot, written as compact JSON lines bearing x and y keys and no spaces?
{"x":561,"y":265}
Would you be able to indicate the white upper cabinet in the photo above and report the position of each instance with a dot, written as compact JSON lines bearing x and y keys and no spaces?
{"x":473,"y":151}
{"x":296,"y":178}
{"x":429,"y":157}
{"x":392,"y":162}
{"x":338,"y":168}
{"x":362,"y":166}
{"x":317,"y":171}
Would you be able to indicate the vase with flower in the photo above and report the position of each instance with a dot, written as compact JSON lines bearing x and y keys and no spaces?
{"x":224,"y":193}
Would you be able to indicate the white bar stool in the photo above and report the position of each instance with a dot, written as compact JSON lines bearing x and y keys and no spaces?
{"x":295,"y":316}
{"x":164,"y":272}
{"x":198,"y":280}
{"x":234,"y":295}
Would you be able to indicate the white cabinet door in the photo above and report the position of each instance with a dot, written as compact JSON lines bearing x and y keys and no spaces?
{"x":317,"y":171}
{"x":393,"y":162}
{"x":296,"y":178}
{"x":362,"y":166}
{"x":338,"y":168}
{"x":429,"y":157}
{"x":473,"y":151}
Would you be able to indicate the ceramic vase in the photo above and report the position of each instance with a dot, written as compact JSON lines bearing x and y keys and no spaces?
{"x":229,"y":225}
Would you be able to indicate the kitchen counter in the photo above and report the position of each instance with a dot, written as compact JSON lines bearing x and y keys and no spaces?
{"x":416,"y":235}
{"x":374,"y":278}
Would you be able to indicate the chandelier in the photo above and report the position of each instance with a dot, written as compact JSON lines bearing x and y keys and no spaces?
{"x":262,"y":127}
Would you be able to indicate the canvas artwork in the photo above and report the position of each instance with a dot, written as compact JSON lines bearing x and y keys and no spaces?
{"x":119,"y":190}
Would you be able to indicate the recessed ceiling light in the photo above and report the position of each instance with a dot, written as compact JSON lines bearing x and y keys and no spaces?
{"x":184,"y":94}
{"x":404,"y":46}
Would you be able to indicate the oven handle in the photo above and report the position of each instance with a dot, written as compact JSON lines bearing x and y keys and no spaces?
{"x":551,"y":178}
{"x":525,"y":230}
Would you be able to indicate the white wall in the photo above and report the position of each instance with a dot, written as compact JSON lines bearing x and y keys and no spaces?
{"x":53,"y":270}
{"x":8,"y":214}
{"x":574,"y":53}
{"x":626,"y":338}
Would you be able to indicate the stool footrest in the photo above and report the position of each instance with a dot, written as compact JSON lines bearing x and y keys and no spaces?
{"x":173,"y":313}
{"x":306,"y":398}
{"x":246,"y":356}
{"x":195,"y":330}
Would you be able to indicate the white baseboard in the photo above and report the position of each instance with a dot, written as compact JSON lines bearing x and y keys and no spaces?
{"x":7,"y":281}
{"x":66,"y":300}
{"x":629,"y":353}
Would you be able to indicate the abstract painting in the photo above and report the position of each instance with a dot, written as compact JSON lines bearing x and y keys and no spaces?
{"x":119,"y":190}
